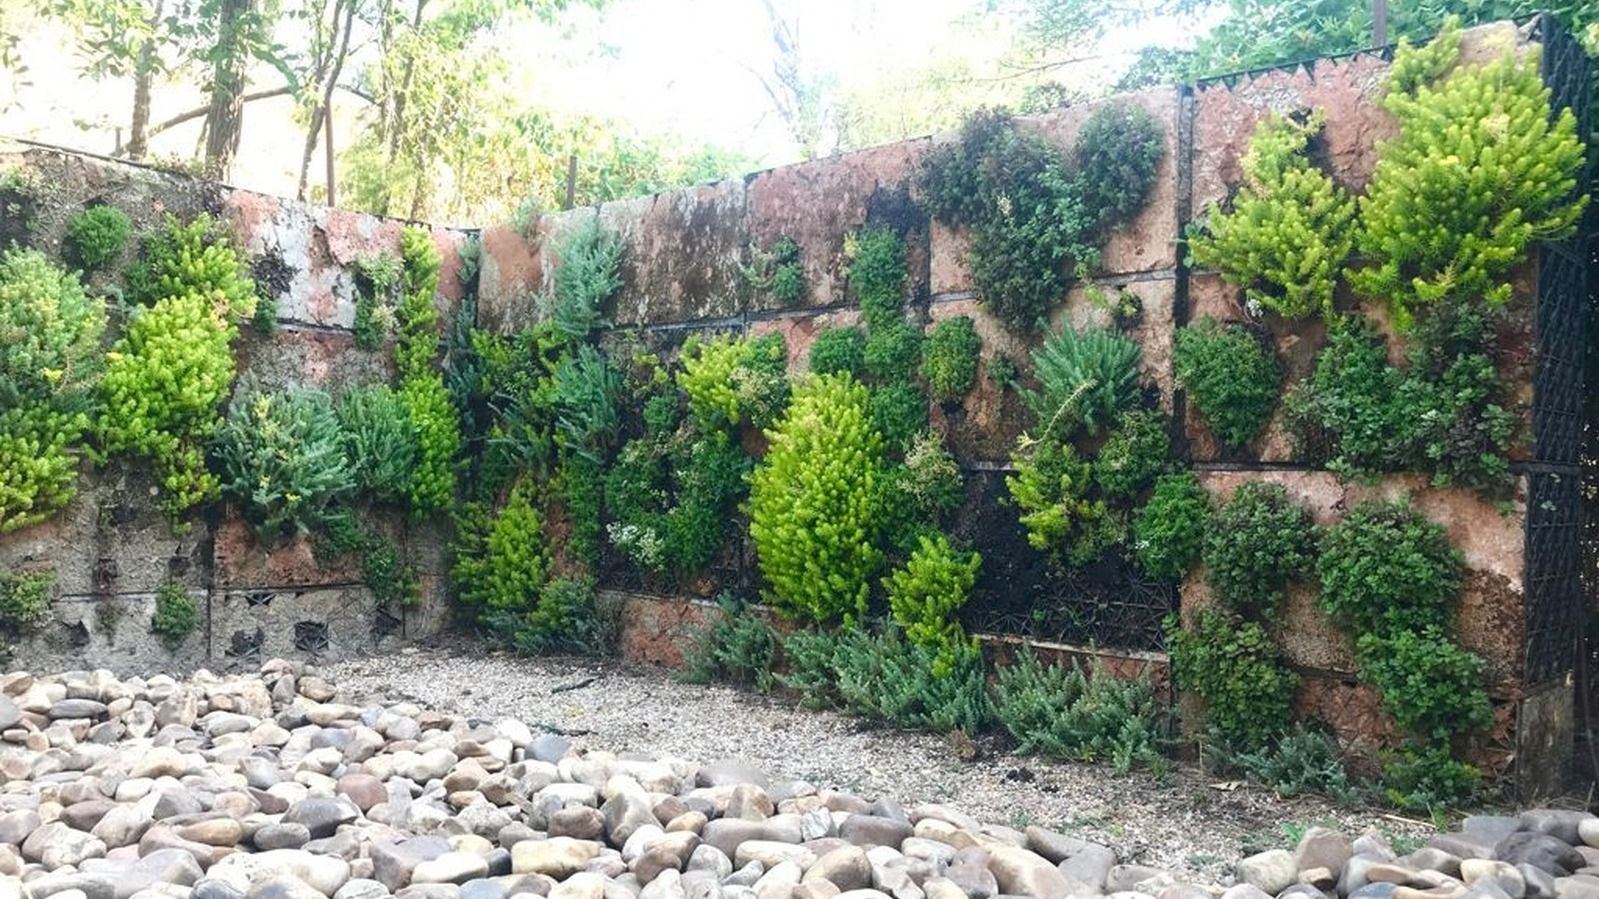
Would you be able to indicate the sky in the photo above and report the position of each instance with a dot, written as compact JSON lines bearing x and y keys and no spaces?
{"x":666,"y":66}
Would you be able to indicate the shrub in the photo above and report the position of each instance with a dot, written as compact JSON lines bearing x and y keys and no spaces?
{"x":737,"y":645}
{"x":1001,"y":373}
{"x":196,"y":258}
{"x":1485,"y":163}
{"x":811,"y":503}
{"x":1300,"y":762}
{"x":949,"y":360}
{"x":500,"y":560}
{"x":1385,"y":568}
{"x":730,"y":379}
{"x":808,"y":656}
{"x":586,"y":397}
{"x":1428,"y":778}
{"x":1431,"y":687}
{"x":588,"y":274}
{"x":670,"y":499}
{"x":1134,"y":455}
{"x":582,"y":487}
{"x":1116,"y":152}
{"x":25,"y":601}
{"x":389,"y":578}
{"x":893,"y":352}
{"x":374,"y":309}
{"x":1088,"y":378}
{"x":174,"y":617}
{"x":1289,"y":229}
{"x":97,"y":235}
{"x":566,"y":617}
{"x":282,"y":459}
{"x":1230,"y":377}
{"x":164,"y":384}
{"x":932,"y":481}
{"x":1259,"y":542}
{"x":927,"y":593}
{"x":1061,"y":711}
{"x":888,"y":677}
{"x":1051,"y":489}
{"x":877,"y":275}
{"x":899,"y":413}
{"x":839,"y":350}
{"x":417,"y":317}
{"x":1169,"y":531}
{"x":777,"y":271}
{"x":1234,"y":668}
{"x":438,"y":433}
{"x":50,"y":332}
{"x":379,"y":441}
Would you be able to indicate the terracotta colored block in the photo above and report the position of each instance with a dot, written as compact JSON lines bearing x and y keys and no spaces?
{"x":799,"y":331}
{"x":243,"y":562}
{"x":510,"y":272}
{"x":658,"y":630}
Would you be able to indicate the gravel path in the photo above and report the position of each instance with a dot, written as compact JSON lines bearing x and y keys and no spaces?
{"x":1186,"y":823}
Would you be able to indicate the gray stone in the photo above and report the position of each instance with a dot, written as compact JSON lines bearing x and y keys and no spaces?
{"x":730,"y":772}
{"x":580,"y":822}
{"x":1323,"y":848}
{"x":1562,"y":824}
{"x":549,"y":747}
{"x":1017,"y":870}
{"x":281,"y":836}
{"x":214,"y":888}
{"x":1244,"y":891}
{"x":1581,"y":886}
{"x":16,"y":826}
{"x":77,"y":708}
{"x":1375,"y":891}
{"x":361,"y":888}
{"x":1271,"y":871}
{"x":451,"y":867}
{"x":172,"y":866}
{"x":56,"y":845}
{"x":1503,"y":875}
{"x":395,"y":860}
{"x":1540,"y":883}
{"x":1539,"y":850}
{"x":1089,"y":866}
{"x":874,"y":830}
{"x":1490,"y":829}
{"x":846,"y":868}
{"x":321,"y":817}
{"x":1057,"y":847}
{"x":624,"y":813}
{"x":10,"y":715}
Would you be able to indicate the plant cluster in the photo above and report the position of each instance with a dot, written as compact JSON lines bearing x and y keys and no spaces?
{"x":888,"y":677}
{"x":812,"y":503}
{"x":588,"y":274}
{"x":1087,"y":379}
{"x":1052,"y":489}
{"x":1134,"y":455}
{"x":839,"y":349}
{"x":949,"y":358}
{"x":587,"y":395}
{"x":97,"y":235}
{"x":738,"y":646}
{"x":731,"y":379}
{"x":501,"y":560}
{"x":1289,"y":230}
{"x":379,"y":442}
{"x":194,"y":258}
{"x":670,"y":497}
{"x":282,"y":458}
{"x":427,"y":401}
{"x":175,"y":615}
{"x":1230,"y":377}
{"x":566,"y":618}
{"x":384,"y":572}
{"x":925,"y":595}
{"x":24,"y":602}
{"x":1066,"y":712}
{"x":777,"y":271}
{"x":1169,"y":531}
{"x":1232,"y":665}
{"x":1258,"y":543}
{"x":1303,"y":761}
{"x":1033,"y":217}
{"x":377,"y":285}
{"x":50,"y":362}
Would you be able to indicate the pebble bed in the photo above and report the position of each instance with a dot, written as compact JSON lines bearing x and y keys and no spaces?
{"x":352,"y":783}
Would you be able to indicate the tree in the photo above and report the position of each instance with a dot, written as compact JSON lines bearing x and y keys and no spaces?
{"x":134,"y":39}
{"x":800,"y":97}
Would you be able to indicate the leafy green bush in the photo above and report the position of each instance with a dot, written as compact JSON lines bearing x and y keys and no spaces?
{"x":877,"y":275}
{"x":730,"y":379}
{"x":1088,"y":378}
{"x":1386,"y":568}
{"x":282,"y":458}
{"x":932,"y":482}
{"x":588,"y":274}
{"x":438,"y":435}
{"x":899,"y":413}
{"x":500,"y":560}
{"x":378,"y":279}
{"x":97,"y":235}
{"x":50,"y":332}
{"x":379,"y":441}
{"x":175,"y":615}
{"x":670,"y":499}
{"x":417,"y":317}
{"x":25,"y":601}
{"x":1427,"y":778}
{"x":949,"y":359}
{"x":1484,"y":162}
{"x":566,"y":618}
{"x":1116,"y":154}
{"x":1259,"y":542}
{"x":926,"y":594}
{"x":587,"y":396}
{"x":1230,"y":377}
{"x":1169,"y":531}
{"x":511,"y":400}
{"x":197,"y":258}
{"x":582,"y":487}
{"x":839,"y":349}
{"x":811,"y":503}
{"x":1134,"y":455}
{"x":1061,"y":711}
{"x":1001,"y":373}
{"x":1051,"y":489}
{"x":893,"y":352}
{"x":1431,"y":687}
{"x":888,"y":677}
{"x":1290,"y":228}
{"x":1233,"y":666}
{"x":737,"y":645}
{"x":1300,"y":762}
{"x":777,"y":271}
{"x":809,"y":669}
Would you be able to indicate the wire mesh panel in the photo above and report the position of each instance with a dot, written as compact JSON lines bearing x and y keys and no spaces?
{"x":1554,"y":586}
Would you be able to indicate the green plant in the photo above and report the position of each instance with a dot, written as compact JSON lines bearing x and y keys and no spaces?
{"x":174,"y":617}
{"x":877,"y":275}
{"x":165,"y":380}
{"x":1385,"y":568}
{"x":839,"y":349}
{"x":736,"y":645}
{"x":949,"y":358}
{"x":927,"y":592}
{"x":378,"y":280}
{"x":25,"y":601}
{"x":811,"y":503}
{"x":1001,"y":372}
{"x":1300,"y":762}
{"x":588,"y":274}
{"x":899,"y":413}
{"x":669,"y":498}
{"x":500,"y":560}
{"x":1431,"y":687}
{"x":97,"y":235}
{"x":379,"y":441}
{"x":1428,"y":778}
{"x":888,"y":677}
{"x":1169,"y":531}
{"x":1087,"y":379}
{"x":389,"y":577}
{"x":50,"y":361}
{"x":809,"y":669}
{"x":197,"y":258}
{"x":1051,"y":489}
{"x":587,"y":392}
{"x":1290,"y":227}
{"x":1066,"y":712}
{"x":1230,"y":377}
{"x":893,"y":352}
{"x":1116,"y":154}
{"x":1234,"y":668}
{"x":567,"y":617}
{"x":582,"y":488}
{"x":730,"y":379}
{"x":1486,"y":168}
{"x":417,"y":317}
{"x":438,"y":440}
{"x":777,"y":271}
{"x":1258,"y":543}
{"x":282,"y":459}
{"x":1135,"y":454}
{"x":932,"y":480}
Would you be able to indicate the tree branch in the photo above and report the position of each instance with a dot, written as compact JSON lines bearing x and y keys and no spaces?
{"x":251,"y":97}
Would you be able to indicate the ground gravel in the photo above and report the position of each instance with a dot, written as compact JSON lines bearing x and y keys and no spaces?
{"x":1184,"y":823}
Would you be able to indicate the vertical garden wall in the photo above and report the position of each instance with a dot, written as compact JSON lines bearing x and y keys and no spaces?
{"x":687,"y":270}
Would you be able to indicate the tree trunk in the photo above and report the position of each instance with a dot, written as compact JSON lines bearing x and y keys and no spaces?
{"x":143,"y":73}
{"x":225,"y":116}
{"x":397,"y":121}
